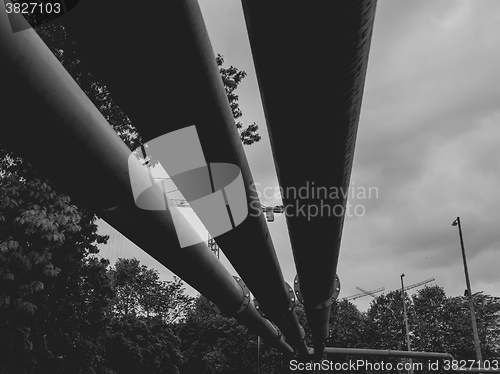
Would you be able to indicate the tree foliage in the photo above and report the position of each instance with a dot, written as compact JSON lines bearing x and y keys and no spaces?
{"x":60,"y":307}
{"x":348,"y":326}
{"x":141,"y":345}
{"x":214,"y":344}
{"x":141,"y":293}
{"x":52,"y":294}
{"x":437,"y":323}
{"x":387,"y":327}
{"x":231,"y":78}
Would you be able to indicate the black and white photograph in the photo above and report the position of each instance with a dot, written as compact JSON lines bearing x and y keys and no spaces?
{"x":249,"y":186}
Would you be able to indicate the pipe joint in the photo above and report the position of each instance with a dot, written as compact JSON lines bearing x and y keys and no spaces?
{"x":291,"y":303}
{"x":323,"y":305}
{"x":280,"y":335}
{"x":291,"y":297}
{"x":279,"y":338}
{"x":259,"y":309}
{"x":244,"y":303}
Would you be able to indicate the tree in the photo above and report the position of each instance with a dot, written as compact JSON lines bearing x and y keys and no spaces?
{"x":437,"y":323}
{"x":431,"y":330}
{"x":52,"y":296}
{"x":141,"y":293}
{"x":458,"y":328}
{"x":488,"y":318}
{"x":214,"y":344}
{"x":139,"y":337}
{"x":231,"y":78}
{"x":387,"y":328}
{"x":443,"y":324}
{"x":141,"y":345}
{"x":348,"y":326}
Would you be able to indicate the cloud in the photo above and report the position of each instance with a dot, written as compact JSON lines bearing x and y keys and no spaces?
{"x":428,"y":140}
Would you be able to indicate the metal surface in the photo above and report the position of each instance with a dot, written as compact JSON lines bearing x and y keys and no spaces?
{"x":323,"y":305}
{"x":419,"y":284}
{"x":161,"y":70}
{"x":311,"y":60}
{"x":291,"y":302}
{"x":387,"y":352}
{"x":244,"y":304}
{"x":371,"y":293}
{"x":49,"y":121}
{"x":363,"y":293}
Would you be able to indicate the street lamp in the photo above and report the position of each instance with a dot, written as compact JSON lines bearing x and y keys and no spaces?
{"x":258,"y":354}
{"x":469,"y":294}
{"x":406,"y":322}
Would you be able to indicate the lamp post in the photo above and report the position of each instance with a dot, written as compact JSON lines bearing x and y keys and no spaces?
{"x":469,"y":294}
{"x":258,"y":354}
{"x":406,"y":322}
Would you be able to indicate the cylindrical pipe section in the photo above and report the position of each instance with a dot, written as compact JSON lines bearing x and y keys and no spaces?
{"x":50,"y":122}
{"x":318,"y":323}
{"x":311,"y":60}
{"x":387,"y":352}
{"x":266,"y":331}
{"x":162,"y":72}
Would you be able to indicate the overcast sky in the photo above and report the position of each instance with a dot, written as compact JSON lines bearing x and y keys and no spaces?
{"x":428,"y":141}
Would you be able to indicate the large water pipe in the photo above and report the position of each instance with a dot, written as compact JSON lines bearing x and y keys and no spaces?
{"x":311,"y":59}
{"x":49,"y":121}
{"x":160,"y":68}
{"x":387,"y":353}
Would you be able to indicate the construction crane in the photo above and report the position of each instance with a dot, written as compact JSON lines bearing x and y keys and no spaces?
{"x":417,"y":284}
{"x":271,"y":210}
{"x":371,"y":293}
{"x":182,"y":203}
{"x":178,"y":202}
{"x":212,"y":244}
{"x":364,"y":293}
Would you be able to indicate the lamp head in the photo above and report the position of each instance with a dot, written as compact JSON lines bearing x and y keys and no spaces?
{"x":455,"y":222}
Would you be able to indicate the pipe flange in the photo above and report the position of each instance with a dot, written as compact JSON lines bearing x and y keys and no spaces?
{"x":325,"y":304}
{"x":280,"y":335}
{"x":259,"y":308}
{"x":244,"y":303}
{"x":291,"y":297}
{"x":291,"y":301}
{"x":296,"y":287}
{"x":246,"y":295}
